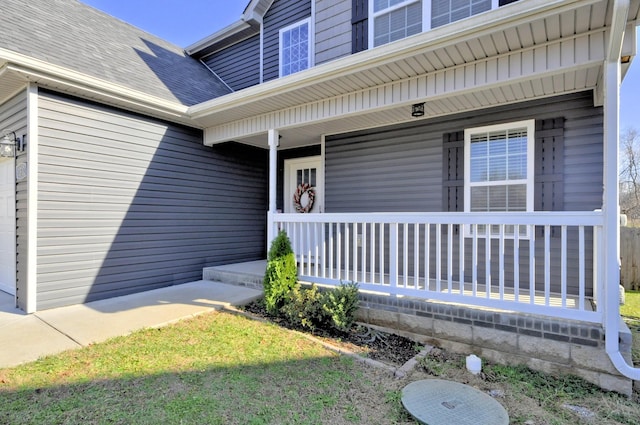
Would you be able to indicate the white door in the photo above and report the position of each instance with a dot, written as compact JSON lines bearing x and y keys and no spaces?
{"x":300,"y":171}
{"x":7,"y":226}
{"x":306,"y":240}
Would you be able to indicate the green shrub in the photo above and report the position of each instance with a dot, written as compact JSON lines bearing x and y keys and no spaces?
{"x":340,"y":305}
{"x":331,"y":308}
{"x":304,"y":308}
{"x":281,"y":275}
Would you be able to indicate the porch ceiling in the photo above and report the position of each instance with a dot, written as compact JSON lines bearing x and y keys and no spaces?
{"x":557,"y":28}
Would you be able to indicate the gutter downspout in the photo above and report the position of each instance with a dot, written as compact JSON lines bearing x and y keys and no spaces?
{"x":612,"y":75}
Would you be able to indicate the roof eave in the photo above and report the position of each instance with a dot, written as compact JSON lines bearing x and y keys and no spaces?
{"x":469,"y":28}
{"x":62,"y":79}
{"x":231,"y":34}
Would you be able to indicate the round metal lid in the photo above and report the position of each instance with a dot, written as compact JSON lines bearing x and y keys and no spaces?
{"x":440,"y":402}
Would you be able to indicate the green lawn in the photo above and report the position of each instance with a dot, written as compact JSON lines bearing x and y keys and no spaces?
{"x":217,"y":368}
{"x":631,"y":307}
{"x":220,"y":368}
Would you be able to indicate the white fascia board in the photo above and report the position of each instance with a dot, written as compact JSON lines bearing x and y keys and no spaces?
{"x":469,"y":28}
{"x":37,"y":70}
{"x":219,"y":36}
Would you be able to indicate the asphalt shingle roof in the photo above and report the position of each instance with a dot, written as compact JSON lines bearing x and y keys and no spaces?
{"x":76,"y":36}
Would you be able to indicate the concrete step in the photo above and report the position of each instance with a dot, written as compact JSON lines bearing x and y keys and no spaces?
{"x":249,"y":274}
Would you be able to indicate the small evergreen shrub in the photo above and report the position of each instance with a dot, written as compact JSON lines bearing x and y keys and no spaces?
{"x":340,"y":305}
{"x":304,"y":308}
{"x":281,"y":275}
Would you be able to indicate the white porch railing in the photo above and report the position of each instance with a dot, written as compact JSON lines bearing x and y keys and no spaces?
{"x":542,"y":263}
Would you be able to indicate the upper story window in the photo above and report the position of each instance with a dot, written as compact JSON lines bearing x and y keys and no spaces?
{"x":391,"y":20}
{"x":295,"y":47}
{"x":395,"y":19}
{"x":446,"y":11}
{"x":498,"y":174}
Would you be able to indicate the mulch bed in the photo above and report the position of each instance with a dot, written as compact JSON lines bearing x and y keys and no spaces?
{"x":384,"y":347}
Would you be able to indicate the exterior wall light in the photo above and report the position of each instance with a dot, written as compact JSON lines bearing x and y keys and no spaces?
{"x":417,"y":110}
{"x":10,"y":145}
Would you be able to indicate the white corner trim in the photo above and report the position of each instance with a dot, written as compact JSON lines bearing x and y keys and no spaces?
{"x":32,"y":198}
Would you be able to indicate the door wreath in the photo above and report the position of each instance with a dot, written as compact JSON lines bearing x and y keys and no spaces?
{"x":297,"y":196}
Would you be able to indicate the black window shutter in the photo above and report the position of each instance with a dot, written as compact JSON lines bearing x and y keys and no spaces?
{"x":548,"y":192}
{"x":549,"y":165}
{"x":359,"y":25}
{"x":453,"y":171}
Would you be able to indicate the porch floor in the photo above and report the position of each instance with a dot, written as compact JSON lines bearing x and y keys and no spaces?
{"x":252,"y":273}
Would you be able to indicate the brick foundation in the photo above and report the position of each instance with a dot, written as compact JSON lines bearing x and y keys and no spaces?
{"x":546,"y":344}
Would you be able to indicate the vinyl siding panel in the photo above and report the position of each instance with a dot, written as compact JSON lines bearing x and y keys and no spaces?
{"x":399,"y":168}
{"x":281,"y":14}
{"x":13,"y":116}
{"x":128,"y":203}
{"x":333,"y":30}
{"x":239,"y":65}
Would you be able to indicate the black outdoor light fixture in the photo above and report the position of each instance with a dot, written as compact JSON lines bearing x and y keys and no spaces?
{"x":10,"y":145}
{"x":417,"y":110}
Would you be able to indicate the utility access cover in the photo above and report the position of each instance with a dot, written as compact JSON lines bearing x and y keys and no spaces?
{"x":439,"y":402}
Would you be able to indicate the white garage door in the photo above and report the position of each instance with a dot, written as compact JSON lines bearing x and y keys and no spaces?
{"x":7,"y":227}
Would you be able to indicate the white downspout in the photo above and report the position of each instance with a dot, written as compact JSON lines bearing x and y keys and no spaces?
{"x":611,"y":234}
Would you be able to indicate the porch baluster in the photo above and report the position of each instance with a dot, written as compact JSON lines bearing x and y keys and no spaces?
{"x":563,"y":266}
{"x":547,"y":264}
{"x":393,"y":256}
{"x":501,"y":254}
{"x":532,"y":264}
{"x":450,"y":258}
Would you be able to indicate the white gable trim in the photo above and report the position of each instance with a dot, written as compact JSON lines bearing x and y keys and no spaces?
{"x":62,"y":79}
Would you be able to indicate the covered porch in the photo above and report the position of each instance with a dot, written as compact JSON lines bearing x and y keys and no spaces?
{"x":557,"y":259}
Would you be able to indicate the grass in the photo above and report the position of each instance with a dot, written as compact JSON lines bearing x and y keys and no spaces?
{"x":221,"y":368}
{"x":631,"y":307}
{"x":630,"y":312}
{"x":214,"y":369}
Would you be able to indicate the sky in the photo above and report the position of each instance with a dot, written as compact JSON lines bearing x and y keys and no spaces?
{"x":184,"y":22}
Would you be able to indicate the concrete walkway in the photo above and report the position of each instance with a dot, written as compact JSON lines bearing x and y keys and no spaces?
{"x":27,"y":337}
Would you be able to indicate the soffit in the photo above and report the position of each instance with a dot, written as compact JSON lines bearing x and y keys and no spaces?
{"x":535,"y":88}
{"x":10,"y":83}
{"x":519,"y":26}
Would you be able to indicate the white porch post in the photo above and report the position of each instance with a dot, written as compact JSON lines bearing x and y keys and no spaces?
{"x":273,"y":179}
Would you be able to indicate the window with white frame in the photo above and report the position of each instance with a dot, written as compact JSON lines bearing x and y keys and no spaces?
{"x":498,"y":173}
{"x":446,"y":11}
{"x":295,"y":48}
{"x":392,"y":20}
{"x":395,"y":19}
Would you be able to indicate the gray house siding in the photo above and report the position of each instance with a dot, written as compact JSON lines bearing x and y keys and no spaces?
{"x":332,"y":29}
{"x":399,"y":168}
{"x":13,"y":116}
{"x":281,"y":14}
{"x":128,"y":203}
{"x":239,"y":65}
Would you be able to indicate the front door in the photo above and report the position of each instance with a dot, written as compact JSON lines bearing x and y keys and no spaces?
{"x":7,"y":227}
{"x":304,"y":193}
{"x":298,"y":172}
